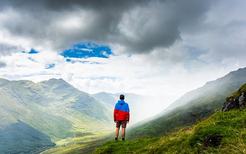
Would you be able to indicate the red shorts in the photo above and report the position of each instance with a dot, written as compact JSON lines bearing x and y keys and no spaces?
{"x":121,"y":123}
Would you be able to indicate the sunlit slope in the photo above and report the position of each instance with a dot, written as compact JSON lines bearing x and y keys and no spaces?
{"x":78,"y":145}
{"x":193,"y":106}
{"x":53,"y":108}
{"x":222,"y":132}
{"x":87,"y":143}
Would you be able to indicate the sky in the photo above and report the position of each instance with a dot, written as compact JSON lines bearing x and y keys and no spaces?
{"x":162,"y":48}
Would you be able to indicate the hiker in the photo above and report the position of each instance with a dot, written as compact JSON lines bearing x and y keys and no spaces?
{"x":121,"y":117}
{"x":242,"y":100}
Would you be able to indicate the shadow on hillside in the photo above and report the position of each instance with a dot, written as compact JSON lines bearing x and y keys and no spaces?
{"x":21,"y":138}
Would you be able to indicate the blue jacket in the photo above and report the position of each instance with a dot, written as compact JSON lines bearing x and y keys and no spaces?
{"x":121,"y":111}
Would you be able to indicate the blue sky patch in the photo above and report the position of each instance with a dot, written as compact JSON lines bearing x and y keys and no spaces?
{"x":33,"y":51}
{"x":87,"y":50}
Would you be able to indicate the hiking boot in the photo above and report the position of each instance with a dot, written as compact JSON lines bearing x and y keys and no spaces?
{"x":116,"y":139}
{"x":123,"y":139}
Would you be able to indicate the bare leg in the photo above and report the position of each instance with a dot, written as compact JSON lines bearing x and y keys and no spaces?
{"x":117,"y":132}
{"x":123,"y":130}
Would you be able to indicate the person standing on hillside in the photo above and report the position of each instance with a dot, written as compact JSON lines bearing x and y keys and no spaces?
{"x":121,"y":117}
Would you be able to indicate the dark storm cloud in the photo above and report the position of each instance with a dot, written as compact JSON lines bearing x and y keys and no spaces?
{"x":57,"y":5}
{"x":7,"y":49}
{"x":158,"y":24}
{"x":139,"y":26}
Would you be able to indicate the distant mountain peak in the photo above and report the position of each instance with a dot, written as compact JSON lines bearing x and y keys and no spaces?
{"x":2,"y":79}
{"x":241,"y":72}
{"x":55,"y":81}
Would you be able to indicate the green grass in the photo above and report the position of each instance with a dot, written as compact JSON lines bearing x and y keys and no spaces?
{"x":230,"y":125}
{"x":77,"y":145}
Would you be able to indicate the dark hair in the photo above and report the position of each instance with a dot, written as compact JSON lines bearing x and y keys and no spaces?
{"x":122,"y":97}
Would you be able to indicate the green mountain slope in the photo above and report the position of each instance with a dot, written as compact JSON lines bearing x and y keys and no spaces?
{"x":24,"y":139}
{"x":192,"y":107}
{"x":222,"y":132}
{"x":53,"y":110}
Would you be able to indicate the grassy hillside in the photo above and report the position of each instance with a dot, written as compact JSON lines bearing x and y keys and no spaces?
{"x":230,"y":125}
{"x":24,"y":139}
{"x":192,"y":107}
{"x":53,"y":110}
{"x":78,"y":145}
{"x":53,"y":107}
{"x":222,"y":132}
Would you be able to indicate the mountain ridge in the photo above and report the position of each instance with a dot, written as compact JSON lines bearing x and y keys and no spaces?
{"x":54,"y":108}
{"x":200,"y":103}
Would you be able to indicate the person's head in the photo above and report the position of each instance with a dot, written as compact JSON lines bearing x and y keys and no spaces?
{"x":122,"y":97}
